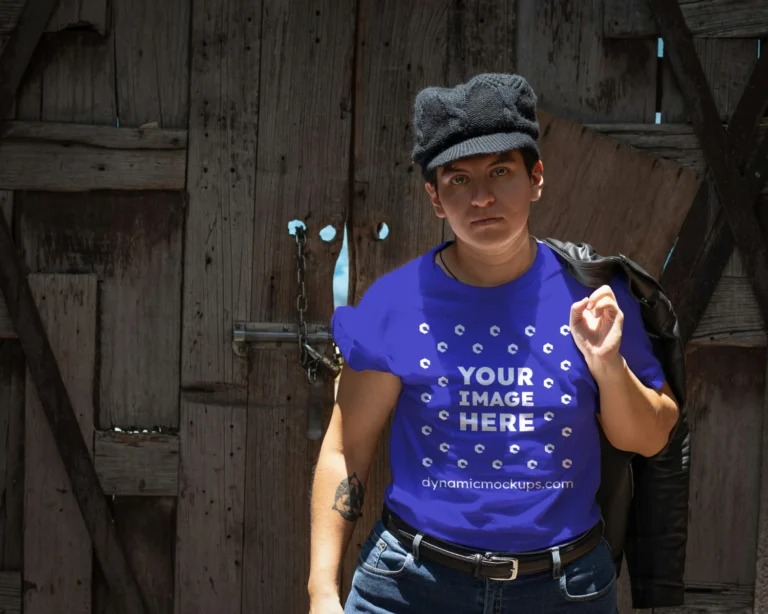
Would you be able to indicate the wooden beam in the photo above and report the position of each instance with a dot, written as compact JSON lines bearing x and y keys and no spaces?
{"x":82,"y":158}
{"x":55,"y":400}
{"x":135,"y":463}
{"x":736,"y":194}
{"x":19,"y":48}
{"x":706,"y":18}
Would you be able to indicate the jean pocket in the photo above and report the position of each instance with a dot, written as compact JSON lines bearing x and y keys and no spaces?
{"x":591,"y":576}
{"x":383,"y":555}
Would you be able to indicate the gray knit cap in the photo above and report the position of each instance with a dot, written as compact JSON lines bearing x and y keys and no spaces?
{"x":491,"y":113}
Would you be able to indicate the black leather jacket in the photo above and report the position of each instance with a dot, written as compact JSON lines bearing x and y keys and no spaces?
{"x":644,"y":501}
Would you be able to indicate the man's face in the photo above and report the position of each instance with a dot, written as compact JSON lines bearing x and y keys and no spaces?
{"x":486,"y":199}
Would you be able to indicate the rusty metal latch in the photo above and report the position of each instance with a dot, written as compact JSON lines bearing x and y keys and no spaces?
{"x":270,"y":335}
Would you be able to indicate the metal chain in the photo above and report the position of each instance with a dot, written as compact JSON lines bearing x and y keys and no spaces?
{"x":301,"y":306}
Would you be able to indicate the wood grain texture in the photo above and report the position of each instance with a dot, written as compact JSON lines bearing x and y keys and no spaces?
{"x":675,"y":142}
{"x":137,"y":463}
{"x":58,"y":556}
{"x":575,"y":72}
{"x":99,"y":137}
{"x":77,"y":81}
{"x":10,"y":592}
{"x":725,"y":410}
{"x":727,"y":65}
{"x":18,"y":48}
{"x":152,"y":62}
{"x":82,"y":169}
{"x":732,"y":316}
{"x":761,"y":558}
{"x":705,"y":18}
{"x":147,"y":526}
{"x":91,"y":14}
{"x":133,"y":243}
{"x":606,"y":194}
{"x":12,"y":386}
{"x":312,"y":184}
{"x":219,"y":245}
{"x":714,"y":598}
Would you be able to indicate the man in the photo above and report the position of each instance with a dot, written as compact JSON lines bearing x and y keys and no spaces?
{"x":499,"y":365}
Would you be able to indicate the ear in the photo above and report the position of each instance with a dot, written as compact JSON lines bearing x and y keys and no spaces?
{"x":537,"y":181}
{"x":435,"y":198}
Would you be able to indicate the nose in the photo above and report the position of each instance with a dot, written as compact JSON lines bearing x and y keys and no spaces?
{"x":482,"y":197}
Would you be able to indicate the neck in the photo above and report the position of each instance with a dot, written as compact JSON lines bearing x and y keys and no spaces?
{"x":482,"y":268}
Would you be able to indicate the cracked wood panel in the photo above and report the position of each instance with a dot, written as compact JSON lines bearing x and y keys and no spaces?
{"x":58,"y":555}
{"x":577,"y":73}
{"x":309,"y":183}
{"x":219,"y":245}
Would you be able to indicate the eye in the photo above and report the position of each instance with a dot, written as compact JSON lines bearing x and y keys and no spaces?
{"x":458,"y":180}
{"x":501,"y":171}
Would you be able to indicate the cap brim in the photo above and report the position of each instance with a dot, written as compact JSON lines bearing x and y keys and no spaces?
{"x":483,"y":145}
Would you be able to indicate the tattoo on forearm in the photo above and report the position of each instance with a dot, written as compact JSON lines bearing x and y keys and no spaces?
{"x":349,"y":498}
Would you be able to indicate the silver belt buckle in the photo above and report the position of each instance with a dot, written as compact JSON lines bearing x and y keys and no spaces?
{"x":513,"y":572}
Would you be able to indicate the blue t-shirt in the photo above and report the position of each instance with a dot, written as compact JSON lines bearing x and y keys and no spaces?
{"x":494,"y":440}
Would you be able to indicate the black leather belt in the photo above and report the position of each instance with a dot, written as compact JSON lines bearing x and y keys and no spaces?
{"x":484,"y":564}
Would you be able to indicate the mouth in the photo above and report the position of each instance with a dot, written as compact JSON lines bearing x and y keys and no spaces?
{"x":486,"y":221}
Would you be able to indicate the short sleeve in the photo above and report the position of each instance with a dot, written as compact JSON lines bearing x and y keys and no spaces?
{"x":360,"y":332}
{"x":636,"y":346}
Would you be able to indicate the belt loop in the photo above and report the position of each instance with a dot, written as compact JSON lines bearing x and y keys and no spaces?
{"x":415,"y":545}
{"x":478,"y":558}
{"x":556,"y":566}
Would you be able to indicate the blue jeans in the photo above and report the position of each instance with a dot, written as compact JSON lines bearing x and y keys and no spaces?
{"x":388,"y":580}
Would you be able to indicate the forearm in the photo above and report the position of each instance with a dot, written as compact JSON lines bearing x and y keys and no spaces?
{"x":337,"y":498}
{"x":635,"y":418}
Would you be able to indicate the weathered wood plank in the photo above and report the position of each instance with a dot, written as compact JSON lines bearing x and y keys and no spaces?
{"x":727,"y":65}
{"x":12,"y":375}
{"x":152,"y":62}
{"x":391,"y":43}
{"x":137,"y":463}
{"x":732,"y":316}
{"x":6,"y":326}
{"x":147,"y":527}
{"x":598,"y":189}
{"x":10,"y":592}
{"x":714,"y":598}
{"x":133,"y":242}
{"x":311,"y":184}
{"x":219,"y":243}
{"x":706,"y":18}
{"x":92,"y":14}
{"x":67,"y":14}
{"x":18,"y":49}
{"x":761,"y":558}
{"x":81,"y":169}
{"x":58,"y":555}
{"x":100,"y":137}
{"x":675,"y":141}
{"x":737,"y":194}
{"x":77,"y":82}
{"x":726,"y":394}
{"x":575,"y":72}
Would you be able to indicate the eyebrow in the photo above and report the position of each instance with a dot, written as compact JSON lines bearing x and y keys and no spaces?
{"x":503,"y":157}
